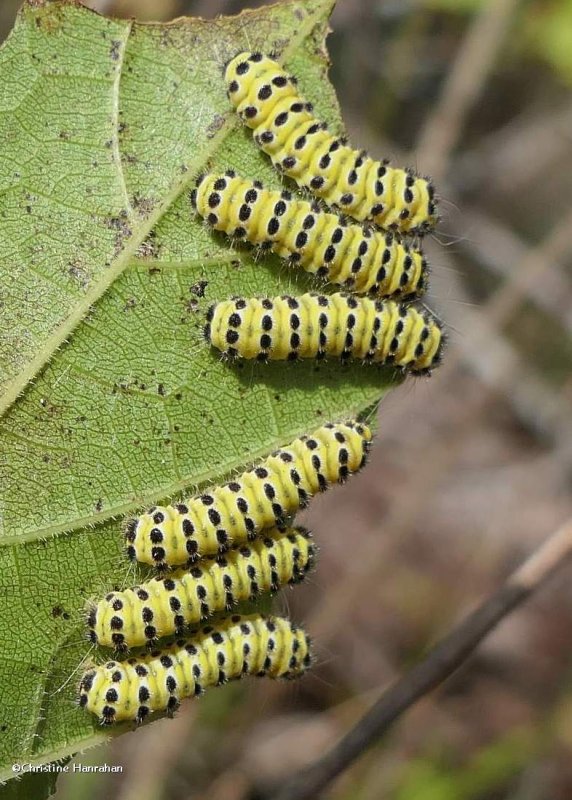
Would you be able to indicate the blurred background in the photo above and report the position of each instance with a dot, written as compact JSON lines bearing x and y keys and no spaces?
{"x":474,"y":468}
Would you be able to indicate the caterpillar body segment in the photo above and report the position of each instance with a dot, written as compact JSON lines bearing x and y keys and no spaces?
{"x":170,"y":604}
{"x":317,"y":326}
{"x":252,"y":645}
{"x":361,"y":260}
{"x":284,"y":126}
{"x":260,"y":498}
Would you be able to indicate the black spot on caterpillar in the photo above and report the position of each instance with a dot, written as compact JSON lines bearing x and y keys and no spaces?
{"x":237,"y":646}
{"x":260,"y":498}
{"x":267,"y":99}
{"x":316,"y":326}
{"x":167,"y":605}
{"x":362,"y":261}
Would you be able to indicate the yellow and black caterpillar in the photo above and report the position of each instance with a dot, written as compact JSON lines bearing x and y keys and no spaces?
{"x":254,"y":645}
{"x":316,"y":326}
{"x":260,"y":498}
{"x":362,"y":260}
{"x":267,"y":99}
{"x":167,"y":605}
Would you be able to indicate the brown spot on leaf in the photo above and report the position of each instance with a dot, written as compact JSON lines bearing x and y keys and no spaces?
{"x":143,"y":205}
{"x":198,"y":288}
{"x":214,"y":127}
{"x":77,"y":270}
{"x":166,"y":39}
{"x":148,"y":248}
{"x":120,"y":225}
{"x":115,"y":50}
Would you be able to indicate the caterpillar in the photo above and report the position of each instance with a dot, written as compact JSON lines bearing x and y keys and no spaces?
{"x":314,"y":326}
{"x":260,"y":498}
{"x":167,"y":605}
{"x":362,"y":260}
{"x":237,"y":646}
{"x":267,"y":100}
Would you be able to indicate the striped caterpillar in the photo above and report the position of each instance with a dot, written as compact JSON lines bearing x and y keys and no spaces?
{"x":316,"y":326}
{"x":237,"y":646}
{"x":267,"y":100}
{"x":260,"y":498}
{"x":168,"y":605}
{"x":361,"y":260}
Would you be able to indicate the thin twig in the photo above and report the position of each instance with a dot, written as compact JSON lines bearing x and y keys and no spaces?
{"x":445,"y":658}
{"x":498,"y":249}
{"x":555,"y":246}
{"x":464,"y":83}
{"x":479,"y":344}
{"x":515,"y":156}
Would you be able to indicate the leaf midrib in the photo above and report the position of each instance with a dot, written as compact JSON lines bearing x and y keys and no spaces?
{"x":195,"y":483}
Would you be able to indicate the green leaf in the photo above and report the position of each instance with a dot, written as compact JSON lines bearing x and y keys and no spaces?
{"x":39,"y":785}
{"x":106,"y":275}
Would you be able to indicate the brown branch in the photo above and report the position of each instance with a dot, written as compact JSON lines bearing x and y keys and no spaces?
{"x":555,"y":246}
{"x":516,"y":155}
{"x":464,"y":82}
{"x":477,"y":342}
{"x":498,"y":249}
{"x":446,"y":657}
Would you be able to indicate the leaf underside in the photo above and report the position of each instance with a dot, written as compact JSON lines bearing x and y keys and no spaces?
{"x":106,"y":275}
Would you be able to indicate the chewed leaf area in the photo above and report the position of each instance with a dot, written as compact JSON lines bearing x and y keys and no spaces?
{"x":111,"y":398}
